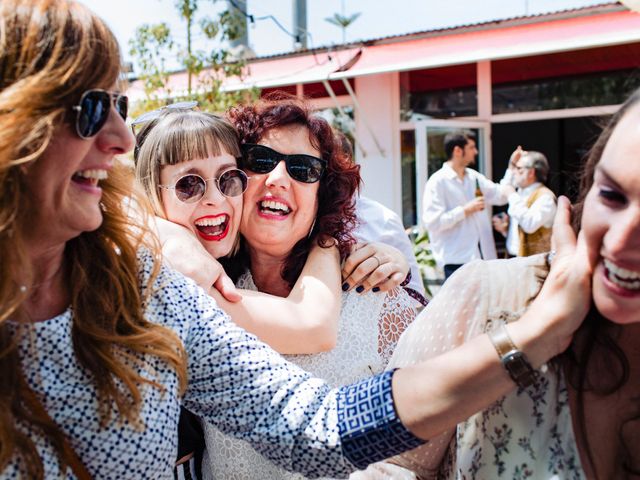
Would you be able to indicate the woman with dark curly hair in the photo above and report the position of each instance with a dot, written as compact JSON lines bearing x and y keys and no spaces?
{"x":300,"y":193}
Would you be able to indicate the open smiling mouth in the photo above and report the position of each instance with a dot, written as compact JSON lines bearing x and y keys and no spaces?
{"x":627,"y":279}
{"x":272,"y":207}
{"x":90,"y":177}
{"x":213,"y":228}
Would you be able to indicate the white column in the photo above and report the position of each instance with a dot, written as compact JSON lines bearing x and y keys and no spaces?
{"x":483,"y":75}
{"x":485,"y":105}
{"x":379,"y":100}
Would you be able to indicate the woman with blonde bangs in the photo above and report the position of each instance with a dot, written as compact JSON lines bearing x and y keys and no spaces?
{"x":186,"y":164}
{"x":100,"y":344}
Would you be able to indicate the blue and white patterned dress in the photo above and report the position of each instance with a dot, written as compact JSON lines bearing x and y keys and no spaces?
{"x":235,"y":382}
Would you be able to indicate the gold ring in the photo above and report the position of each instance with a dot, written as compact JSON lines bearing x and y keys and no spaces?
{"x":377,"y":260}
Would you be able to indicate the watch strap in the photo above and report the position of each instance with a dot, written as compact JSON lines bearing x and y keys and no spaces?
{"x":513,"y":359}
{"x":501,"y":340}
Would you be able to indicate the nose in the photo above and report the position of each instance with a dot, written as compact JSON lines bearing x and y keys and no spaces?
{"x":115,"y":137}
{"x":212,"y":194}
{"x":278,"y":177}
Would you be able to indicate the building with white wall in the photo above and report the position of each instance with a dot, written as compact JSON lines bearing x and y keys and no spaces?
{"x":539,"y":81}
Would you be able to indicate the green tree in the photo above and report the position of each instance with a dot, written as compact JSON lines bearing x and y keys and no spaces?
{"x":206,"y":69}
{"x":343,"y":21}
{"x":152,"y":46}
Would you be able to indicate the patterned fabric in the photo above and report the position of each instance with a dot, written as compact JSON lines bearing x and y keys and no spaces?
{"x":369,"y":327}
{"x":417,"y":296}
{"x":528,"y":433}
{"x":235,"y":382}
{"x":364,"y":411}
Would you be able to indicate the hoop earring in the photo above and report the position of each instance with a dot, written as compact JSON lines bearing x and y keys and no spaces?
{"x":312,"y":227}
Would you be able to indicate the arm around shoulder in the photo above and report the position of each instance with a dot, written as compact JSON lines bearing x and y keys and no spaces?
{"x":306,"y":321}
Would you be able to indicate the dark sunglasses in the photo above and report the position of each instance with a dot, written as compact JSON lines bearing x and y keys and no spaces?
{"x":192,"y":187}
{"x":93,"y":110}
{"x":261,"y":159}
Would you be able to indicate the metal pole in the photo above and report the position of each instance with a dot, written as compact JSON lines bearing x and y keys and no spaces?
{"x":244,"y":38}
{"x":300,"y":24}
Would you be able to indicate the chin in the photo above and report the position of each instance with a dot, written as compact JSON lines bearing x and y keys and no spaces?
{"x":94,"y":223}
{"x":218,"y":249}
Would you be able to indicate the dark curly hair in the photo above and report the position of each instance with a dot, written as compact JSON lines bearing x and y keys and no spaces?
{"x":595,"y":339}
{"x":336,"y":217}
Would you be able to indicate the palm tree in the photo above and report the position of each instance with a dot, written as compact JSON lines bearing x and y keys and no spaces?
{"x":343,"y":21}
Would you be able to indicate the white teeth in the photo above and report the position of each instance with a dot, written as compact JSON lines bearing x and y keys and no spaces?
{"x":621,"y":272}
{"x":211,"y":222}
{"x":273,"y":205}
{"x":621,"y":276}
{"x":95,"y":173}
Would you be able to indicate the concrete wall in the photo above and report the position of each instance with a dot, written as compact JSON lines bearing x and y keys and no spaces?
{"x":378,"y":115}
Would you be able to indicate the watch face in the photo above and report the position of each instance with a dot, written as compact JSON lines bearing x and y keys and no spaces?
{"x":519,"y":368}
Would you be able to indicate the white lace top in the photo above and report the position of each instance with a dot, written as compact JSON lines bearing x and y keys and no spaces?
{"x":526,"y":434}
{"x":369,"y":327}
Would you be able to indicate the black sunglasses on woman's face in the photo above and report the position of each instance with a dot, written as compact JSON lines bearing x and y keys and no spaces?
{"x":94,"y":108}
{"x":262,"y":159}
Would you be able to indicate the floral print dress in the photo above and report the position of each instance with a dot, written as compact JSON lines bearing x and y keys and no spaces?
{"x":526,"y":434}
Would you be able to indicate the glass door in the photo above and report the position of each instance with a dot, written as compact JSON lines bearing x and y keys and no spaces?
{"x":422,"y":153}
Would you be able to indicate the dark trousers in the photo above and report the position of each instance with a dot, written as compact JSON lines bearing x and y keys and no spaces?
{"x":449,"y":269}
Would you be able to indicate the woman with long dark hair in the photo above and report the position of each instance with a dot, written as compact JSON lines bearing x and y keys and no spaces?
{"x":580,"y":418}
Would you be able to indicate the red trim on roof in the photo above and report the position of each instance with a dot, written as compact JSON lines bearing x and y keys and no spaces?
{"x":508,"y":42}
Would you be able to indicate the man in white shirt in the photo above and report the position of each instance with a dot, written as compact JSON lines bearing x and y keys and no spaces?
{"x":458,"y":223}
{"x":531,"y":208}
{"x":381,"y":224}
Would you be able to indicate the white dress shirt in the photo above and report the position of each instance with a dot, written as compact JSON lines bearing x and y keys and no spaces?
{"x":456,"y":238}
{"x":531,"y":219}
{"x":377,"y":223}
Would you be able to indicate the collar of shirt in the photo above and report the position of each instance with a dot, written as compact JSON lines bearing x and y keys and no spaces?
{"x":451,"y":174}
{"x":526,"y":191}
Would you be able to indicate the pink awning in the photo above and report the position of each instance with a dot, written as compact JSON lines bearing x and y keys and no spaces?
{"x":517,"y":38}
{"x":522,"y":40}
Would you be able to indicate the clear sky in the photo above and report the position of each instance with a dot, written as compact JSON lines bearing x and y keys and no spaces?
{"x":378,"y":18}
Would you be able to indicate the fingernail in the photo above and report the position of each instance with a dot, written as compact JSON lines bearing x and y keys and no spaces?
{"x":376,"y":289}
{"x":360,"y":289}
{"x":345,"y":286}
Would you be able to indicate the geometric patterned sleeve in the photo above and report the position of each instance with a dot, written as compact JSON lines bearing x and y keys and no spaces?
{"x":369,"y":426}
{"x":247,"y":390}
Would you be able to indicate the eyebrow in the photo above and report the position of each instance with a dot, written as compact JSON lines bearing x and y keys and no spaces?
{"x":197,"y":171}
{"x":600,"y":169}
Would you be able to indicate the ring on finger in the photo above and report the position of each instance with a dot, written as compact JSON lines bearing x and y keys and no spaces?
{"x":377,"y":260}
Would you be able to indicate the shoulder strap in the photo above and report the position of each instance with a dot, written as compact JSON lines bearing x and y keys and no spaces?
{"x":78,"y":468}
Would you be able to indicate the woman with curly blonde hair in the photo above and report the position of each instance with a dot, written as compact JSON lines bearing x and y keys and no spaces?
{"x":98,"y":338}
